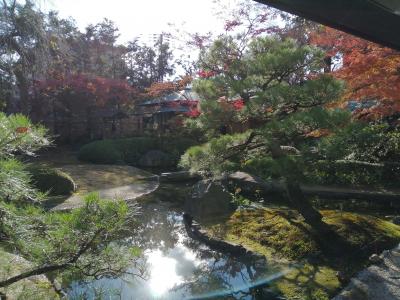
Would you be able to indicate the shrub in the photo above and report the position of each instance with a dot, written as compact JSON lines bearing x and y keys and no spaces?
{"x":264,"y":167}
{"x":101,"y":152}
{"x":328,"y":172}
{"x":131,"y":150}
{"x":51,"y":180}
{"x":177,"y":145}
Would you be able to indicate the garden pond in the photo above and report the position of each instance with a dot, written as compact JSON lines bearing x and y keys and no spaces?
{"x":178,"y":267}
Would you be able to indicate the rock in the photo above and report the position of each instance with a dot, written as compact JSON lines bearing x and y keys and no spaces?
{"x":180,"y":176}
{"x":377,"y":281}
{"x":208,"y":199}
{"x":155,"y":158}
{"x":375,"y":258}
{"x":251,"y":185}
{"x":151,"y":178}
{"x":199,"y":234}
{"x":341,"y":276}
{"x":396,"y":220}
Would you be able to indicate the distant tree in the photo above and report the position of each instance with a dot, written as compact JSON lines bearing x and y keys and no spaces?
{"x":71,"y":97}
{"x":141,"y":64}
{"x":149,"y":64}
{"x":164,"y":57}
{"x":23,"y":48}
{"x":101,"y":55}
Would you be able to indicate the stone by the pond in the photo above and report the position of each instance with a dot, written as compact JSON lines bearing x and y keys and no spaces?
{"x":155,"y":158}
{"x":208,"y":199}
{"x":178,"y":176}
{"x":374,"y":258}
{"x":250,"y":184}
{"x":378,"y":281}
{"x":396,"y":220}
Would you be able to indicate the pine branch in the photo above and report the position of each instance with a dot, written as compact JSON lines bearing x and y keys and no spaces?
{"x":54,"y":267}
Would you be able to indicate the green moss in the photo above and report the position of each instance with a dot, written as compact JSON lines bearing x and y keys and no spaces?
{"x":269,"y":229}
{"x":282,"y":234}
{"x":308,"y":282}
{"x":362,"y":230}
{"x":51,"y":180}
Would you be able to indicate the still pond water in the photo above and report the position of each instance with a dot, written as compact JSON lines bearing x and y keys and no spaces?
{"x":178,"y":267}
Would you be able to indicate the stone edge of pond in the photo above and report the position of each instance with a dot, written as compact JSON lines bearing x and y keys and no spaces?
{"x":374,"y":281}
{"x":70,"y":206}
{"x":195,"y":232}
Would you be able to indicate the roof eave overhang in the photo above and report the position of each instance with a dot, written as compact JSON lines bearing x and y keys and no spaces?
{"x":363,"y":18}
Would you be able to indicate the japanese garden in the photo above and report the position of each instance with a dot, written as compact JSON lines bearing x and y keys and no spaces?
{"x":259,"y":160}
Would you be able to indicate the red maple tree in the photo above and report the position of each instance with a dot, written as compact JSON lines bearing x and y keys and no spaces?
{"x":370,"y":71}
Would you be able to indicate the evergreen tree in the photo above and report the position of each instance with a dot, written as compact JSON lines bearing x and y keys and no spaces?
{"x":80,"y":242}
{"x":263,"y":103}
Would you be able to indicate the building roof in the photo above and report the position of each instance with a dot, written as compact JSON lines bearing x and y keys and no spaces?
{"x":183,"y":95}
{"x":374,"y":20}
{"x":180,"y":109}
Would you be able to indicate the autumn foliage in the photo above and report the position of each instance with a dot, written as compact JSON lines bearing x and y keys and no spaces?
{"x":95,"y":90}
{"x":158,"y":89}
{"x":370,"y":71}
{"x":81,"y":105}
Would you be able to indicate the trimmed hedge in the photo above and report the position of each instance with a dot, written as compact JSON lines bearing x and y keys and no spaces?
{"x":130,"y":150}
{"x":101,"y":152}
{"x":53,"y":181}
{"x":327,"y":172}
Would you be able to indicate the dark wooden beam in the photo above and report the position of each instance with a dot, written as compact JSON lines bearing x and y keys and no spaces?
{"x":363,"y":18}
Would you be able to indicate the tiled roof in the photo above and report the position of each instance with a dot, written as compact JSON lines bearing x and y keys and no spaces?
{"x":183,"y":95}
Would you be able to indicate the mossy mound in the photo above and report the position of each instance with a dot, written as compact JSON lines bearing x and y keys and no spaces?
{"x":282,"y":234}
{"x":51,"y":180}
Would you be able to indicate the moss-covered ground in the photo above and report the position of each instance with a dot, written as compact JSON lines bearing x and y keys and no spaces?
{"x":282,"y":234}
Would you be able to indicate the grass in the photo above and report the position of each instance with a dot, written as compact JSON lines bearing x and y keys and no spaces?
{"x":282,"y":234}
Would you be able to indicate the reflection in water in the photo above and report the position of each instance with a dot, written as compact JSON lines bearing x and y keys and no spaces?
{"x":181,"y":268}
{"x":163,"y":273}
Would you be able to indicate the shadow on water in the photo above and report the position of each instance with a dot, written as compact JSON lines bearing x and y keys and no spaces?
{"x":178,"y":267}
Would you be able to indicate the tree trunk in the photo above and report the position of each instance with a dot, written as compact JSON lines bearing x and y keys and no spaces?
{"x":23,"y":87}
{"x":302,"y":204}
{"x":328,"y":64}
{"x":293,"y":191}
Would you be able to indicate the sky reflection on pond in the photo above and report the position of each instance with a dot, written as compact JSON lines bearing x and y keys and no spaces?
{"x":178,"y":267}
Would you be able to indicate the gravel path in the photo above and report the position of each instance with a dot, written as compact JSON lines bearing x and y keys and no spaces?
{"x":379,"y":281}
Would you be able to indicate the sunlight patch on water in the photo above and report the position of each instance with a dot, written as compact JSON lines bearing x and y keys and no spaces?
{"x":163,"y":273}
{"x":170,"y":269}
